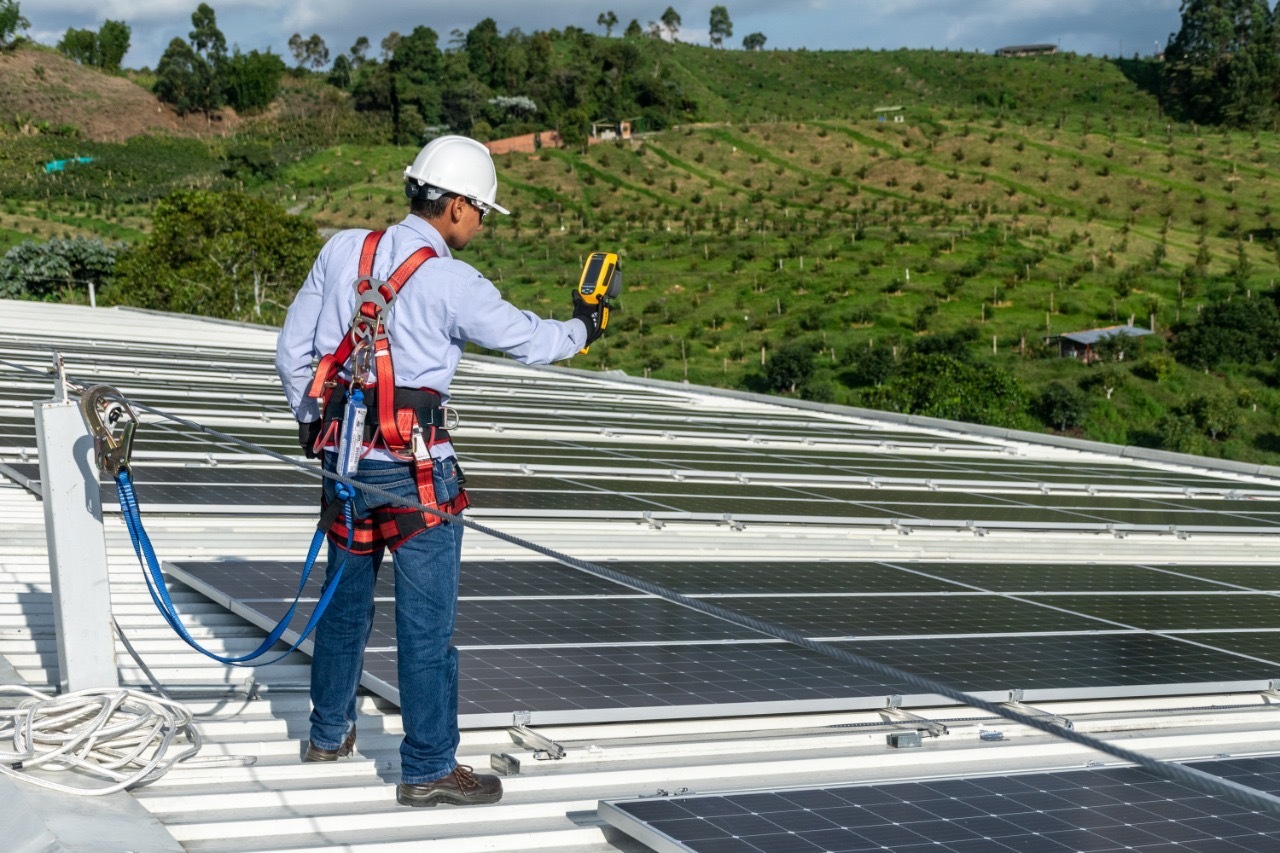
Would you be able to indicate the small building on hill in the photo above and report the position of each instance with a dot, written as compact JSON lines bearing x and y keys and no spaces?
{"x":603,"y":130}
{"x":1015,"y":50}
{"x":1083,"y":345}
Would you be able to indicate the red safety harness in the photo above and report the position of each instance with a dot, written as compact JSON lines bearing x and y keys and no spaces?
{"x":399,"y":418}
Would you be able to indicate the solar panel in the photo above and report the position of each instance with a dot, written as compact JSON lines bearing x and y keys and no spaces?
{"x":1102,"y":809}
{"x":532,"y":626}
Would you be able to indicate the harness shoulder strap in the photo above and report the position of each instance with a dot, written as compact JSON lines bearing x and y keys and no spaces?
{"x":329,"y":365}
{"x":384,"y":370}
{"x":364,"y":273}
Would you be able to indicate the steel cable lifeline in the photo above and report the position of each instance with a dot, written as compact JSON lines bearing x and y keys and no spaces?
{"x":1205,"y":783}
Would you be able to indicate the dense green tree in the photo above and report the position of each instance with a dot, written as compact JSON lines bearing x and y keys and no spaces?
{"x":506,"y":84}
{"x":753,"y":41}
{"x":1178,"y":433}
{"x":1221,"y":66}
{"x":373,"y":87}
{"x":192,"y":77}
{"x":574,"y":127}
{"x":464,"y":102}
{"x":633,"y":30}
{"x":80,"y":46}
{"x":251,"y":162}
{"x":12,"y":23}
{"x":789,"y":367}
{"x":1243,"y":331}
{"x":113,"y":44}
{"x":942,"y":386}
{"x":252,"y":80}
{"x":871,"y":366}
{"x":416,"y":69}
{"x":219,"y":255}
{"x":46,"y":271}
{"x":671,"y":22}
{"x":184,"y":80}
{"x":340,"y":73}
{"x":721,"y":27}
{"x":1215,"y":414}
{"x":1062,"y":406}
{"x":484,"y":51}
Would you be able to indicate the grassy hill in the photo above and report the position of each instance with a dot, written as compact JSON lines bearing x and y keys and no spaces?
{"x":808,"y":85}
{"x":1018,"y":199}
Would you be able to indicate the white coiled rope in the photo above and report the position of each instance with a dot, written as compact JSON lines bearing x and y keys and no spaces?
{"x":114,"y":734}
{"x":121,"y":735}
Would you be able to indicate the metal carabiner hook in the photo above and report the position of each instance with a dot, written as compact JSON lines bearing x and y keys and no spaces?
{"x":361,"y":363}
{"x":102,"y":408}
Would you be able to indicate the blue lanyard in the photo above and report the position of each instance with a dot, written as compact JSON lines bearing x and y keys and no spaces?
{"x":160,"y":594}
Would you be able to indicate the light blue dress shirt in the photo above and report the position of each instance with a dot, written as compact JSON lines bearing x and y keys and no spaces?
{"x":446,"y":303}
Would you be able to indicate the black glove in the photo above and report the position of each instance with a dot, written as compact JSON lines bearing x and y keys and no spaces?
{"x":591,"y":315}
{"x":308,"y":432}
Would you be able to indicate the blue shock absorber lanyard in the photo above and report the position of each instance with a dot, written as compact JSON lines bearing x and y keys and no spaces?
{"x":160,"y":593}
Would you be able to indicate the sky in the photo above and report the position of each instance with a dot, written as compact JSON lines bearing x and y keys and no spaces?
{"x":1098,"y":27}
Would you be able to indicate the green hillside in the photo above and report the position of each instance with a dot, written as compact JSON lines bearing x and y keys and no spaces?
{"x":1017,"y":199}
{"x":772,"y":85}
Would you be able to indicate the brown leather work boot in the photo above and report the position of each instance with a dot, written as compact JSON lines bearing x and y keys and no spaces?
{"x":315,"y":753}
{"x":461,"y":788}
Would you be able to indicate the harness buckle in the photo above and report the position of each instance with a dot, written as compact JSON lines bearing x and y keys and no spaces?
{"x":378,"y":295}
{"x":418,"y":444}
{"x":102,"y":408}
{"x":451,"y":418}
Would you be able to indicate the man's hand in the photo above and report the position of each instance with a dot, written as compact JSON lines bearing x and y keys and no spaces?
{"x":591,"y":314}
{"x":308,"y":432}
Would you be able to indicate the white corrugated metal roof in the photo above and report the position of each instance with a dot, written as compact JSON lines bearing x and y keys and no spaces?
{"x":277,"y":803}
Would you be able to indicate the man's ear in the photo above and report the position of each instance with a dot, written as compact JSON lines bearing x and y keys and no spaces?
{"x":456,"y":208}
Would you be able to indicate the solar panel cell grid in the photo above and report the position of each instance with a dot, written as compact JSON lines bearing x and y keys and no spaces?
{"x":910,"y":615}
{"x":557,"y":653}
{"x":770,"y":578}
{"x":1176,"y":612}
{"x":1087,"y":810}
{"x":636,"y":677}
{"x":1066,"y":662}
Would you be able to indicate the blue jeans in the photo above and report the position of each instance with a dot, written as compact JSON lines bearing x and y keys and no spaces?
{"x":426,"y":568}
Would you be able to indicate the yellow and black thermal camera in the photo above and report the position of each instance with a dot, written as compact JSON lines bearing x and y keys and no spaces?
{"x":601,"y":281}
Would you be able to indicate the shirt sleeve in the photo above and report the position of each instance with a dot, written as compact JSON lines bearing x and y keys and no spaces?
{"x":485,"y":318}
{"x":295,"y":348}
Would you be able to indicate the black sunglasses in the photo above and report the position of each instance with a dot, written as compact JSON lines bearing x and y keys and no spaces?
{"x":482,"y":208}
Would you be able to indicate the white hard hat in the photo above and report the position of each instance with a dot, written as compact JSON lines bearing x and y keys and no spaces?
{"x":456,"y":164}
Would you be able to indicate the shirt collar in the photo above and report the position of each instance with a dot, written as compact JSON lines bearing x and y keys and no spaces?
{"x":428,"y":233}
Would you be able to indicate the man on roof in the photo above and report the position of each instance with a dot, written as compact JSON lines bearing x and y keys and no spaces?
{"x":400,"y":293}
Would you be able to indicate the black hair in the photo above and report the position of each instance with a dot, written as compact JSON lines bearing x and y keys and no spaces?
{"x":423,"y":206}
